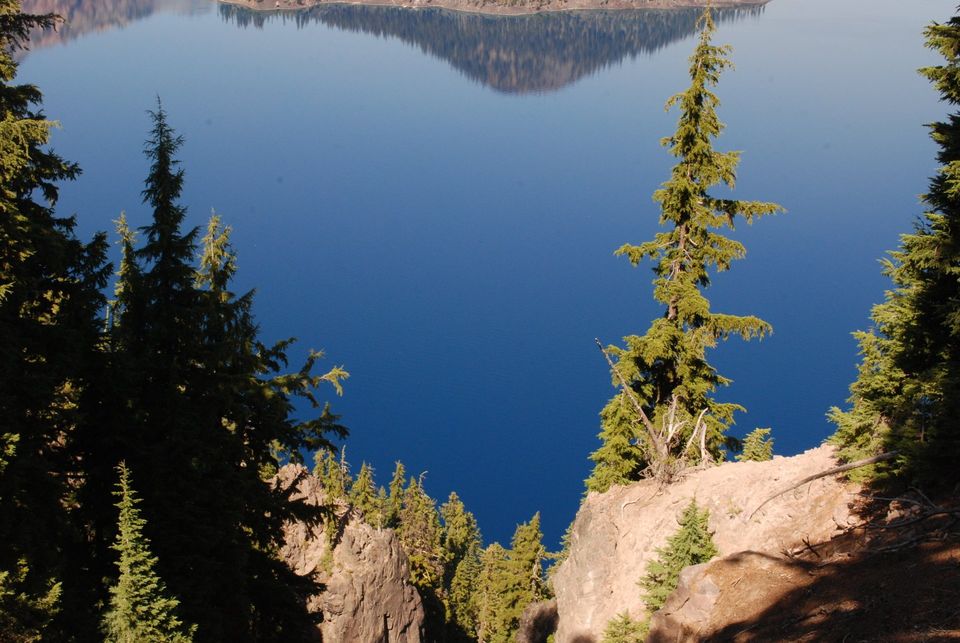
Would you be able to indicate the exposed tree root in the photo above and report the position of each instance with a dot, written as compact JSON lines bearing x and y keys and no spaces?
{"x":823,"y":474}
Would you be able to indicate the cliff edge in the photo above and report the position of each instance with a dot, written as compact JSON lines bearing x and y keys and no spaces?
{"x":615,"y":534}
{"x":367,"y":593}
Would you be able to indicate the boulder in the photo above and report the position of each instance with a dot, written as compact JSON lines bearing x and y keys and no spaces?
{"x":615,"y":534}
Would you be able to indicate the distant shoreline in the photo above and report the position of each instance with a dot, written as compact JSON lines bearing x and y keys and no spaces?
{"x":497,"y":7}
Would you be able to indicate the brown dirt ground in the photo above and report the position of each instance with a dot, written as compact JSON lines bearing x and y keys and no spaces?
{"x":894,"y":578}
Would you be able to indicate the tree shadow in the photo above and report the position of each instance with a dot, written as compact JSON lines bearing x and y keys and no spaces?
{"x":894,"y":578}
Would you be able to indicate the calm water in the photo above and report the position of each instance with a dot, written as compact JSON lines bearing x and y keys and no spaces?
{"x":433,"y":198}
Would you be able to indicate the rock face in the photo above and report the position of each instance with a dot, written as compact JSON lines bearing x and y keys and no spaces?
{"x":368,"y":596}
{"x":616,"y":533}
{"x":538,"y":622}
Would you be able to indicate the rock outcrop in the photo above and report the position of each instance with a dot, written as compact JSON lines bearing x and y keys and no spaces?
{"x":616,"y":533}
{"x":538,"y":622}
{"x":368,"y":596}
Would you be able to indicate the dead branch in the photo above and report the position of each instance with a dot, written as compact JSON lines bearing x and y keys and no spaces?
{"x":651,"y":430}
{"x":704,"y":455}
{"x":823,"y":474}
{"x":639,"y":498}
{"x":916,"y":540}
{"x":924,"y":516}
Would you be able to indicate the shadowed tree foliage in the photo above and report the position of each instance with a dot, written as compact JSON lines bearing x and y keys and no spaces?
{"x":907,"y":393}
{"x":210,"y":413}
{"x":141,"y":610}
{"x":50,"y":301}
{"x":666,"y":411}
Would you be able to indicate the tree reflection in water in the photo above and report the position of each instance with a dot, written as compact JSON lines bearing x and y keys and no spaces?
{"x":512,"y":54}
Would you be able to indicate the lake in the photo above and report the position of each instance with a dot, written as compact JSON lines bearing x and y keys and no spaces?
{"x":434,"y":198}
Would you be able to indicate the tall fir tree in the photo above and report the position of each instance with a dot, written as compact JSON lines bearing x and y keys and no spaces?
{"x":692,"y":544}
{"x":527,"y":583}
{"x":462,"y":544}
{"x":141,"y":609}
{"x":363,"y":496}
{"x":509,"y":581}
{"x":211,"y":415}
{"x":906,"y":397}
{"x":395,"y":497}
{"x":420,"y":534}
{"x":492,"y":583}
{"x":334,"y":473}
{"x":50,"y":302}
{"x":667,"y":385}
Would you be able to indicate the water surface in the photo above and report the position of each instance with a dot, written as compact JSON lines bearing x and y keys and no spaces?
{"x":434,"y":198}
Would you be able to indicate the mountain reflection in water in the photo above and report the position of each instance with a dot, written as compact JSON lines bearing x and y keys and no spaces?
{"x":512,"y":54}
{"x":81,"y":17}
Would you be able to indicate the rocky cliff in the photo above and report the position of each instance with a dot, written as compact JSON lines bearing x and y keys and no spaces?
{"x":616,"y":533}
{"x":368,"y":596}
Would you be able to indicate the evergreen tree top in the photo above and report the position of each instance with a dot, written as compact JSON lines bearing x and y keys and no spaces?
{"x":165,"y":180}
{"x":168,"y":251}
{"x":666,"y":412}
{"x":945,"y":40}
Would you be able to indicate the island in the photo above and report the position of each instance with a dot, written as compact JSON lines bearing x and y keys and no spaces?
{"x":498,"y":7}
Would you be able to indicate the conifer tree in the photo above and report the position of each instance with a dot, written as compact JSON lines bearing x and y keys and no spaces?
{"x":906,"y":397}
{"x":462,"y":545}
{"x":363,"y":496}
{"x":141,"y":609}
{"x":526,"y":575}
{"x":757,"y":446}
{"x":666,"y":409}
{"x":464,"y":594}
{"x":460,"y":530}
{"x":50,"y":302}
{"x":509,"y":581}
{"x":623,"y":629}
{"x":395,"y":499}
{"x":334,"y":473}
{"x":211,"y":415}
{"x":492,"y":621}
{"x":420,"y":536}
{"x":690,"y":545}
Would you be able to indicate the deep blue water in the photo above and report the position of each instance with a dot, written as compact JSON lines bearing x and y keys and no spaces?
{"x":434,"y":198}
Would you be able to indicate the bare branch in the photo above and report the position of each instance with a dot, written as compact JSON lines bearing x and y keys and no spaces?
{"x":889,"y":455}
{"x":651,"y":430}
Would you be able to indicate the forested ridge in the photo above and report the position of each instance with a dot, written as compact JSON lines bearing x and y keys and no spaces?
{"x":520,"y":54}
{"x":143,"y":417}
